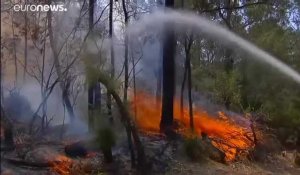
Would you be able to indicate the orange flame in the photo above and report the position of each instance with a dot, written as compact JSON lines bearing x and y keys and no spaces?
{"x":226,"y":135}
{"x":61,"y":165}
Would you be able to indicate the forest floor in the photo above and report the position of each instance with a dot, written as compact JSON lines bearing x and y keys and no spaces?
{"x":273,"y":165}
{"x":166,"y":157}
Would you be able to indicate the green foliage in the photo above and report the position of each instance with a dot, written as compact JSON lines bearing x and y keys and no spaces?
{"x":92,"y":73}
{"x":95,"y":74}
{"x":227,"y":89}
{"x":253,"y":86}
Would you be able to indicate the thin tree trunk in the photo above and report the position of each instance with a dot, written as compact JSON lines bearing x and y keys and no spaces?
{"x":187,"y":74}
{"x":91,"y":88}
{"x":126,"y":119}
{"x":228,"y":53}
{"x":1,"y":77}
{"x":182,"y":88}
{"x":43,"y":89}
{"x":128,"y":131}
{"x":44,"y":114}
{"x":40,"y":105}
{"x":26,"y":46}
{"x":8,"y":130}
{"x":158,"y":87}
{"x":15,"y":49}
{"x":63,"y":124}
{"x":134,"y":87}
{"x":189,"y":70}
{"x":112,"y":57}
{"x":125,"y":52}
{"x":159,"y":80}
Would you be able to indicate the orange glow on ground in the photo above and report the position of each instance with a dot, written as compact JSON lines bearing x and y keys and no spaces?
{"x":61,"y":165}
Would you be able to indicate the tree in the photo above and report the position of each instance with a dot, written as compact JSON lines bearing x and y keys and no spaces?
{"x":188,"y":41}
{"x":92,"y":87}
{"x":168,"y":75}
{"x":60,"y":74}
{"x":112,"y":55}
{"x":188,"y":46}
{"x":128,"y":131}
{"x":26,"y":45}
{"x":126,"y":77}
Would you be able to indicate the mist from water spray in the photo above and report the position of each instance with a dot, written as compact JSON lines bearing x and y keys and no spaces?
{"x":211,"y":30}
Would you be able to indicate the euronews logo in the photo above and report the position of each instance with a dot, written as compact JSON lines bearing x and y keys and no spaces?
{"x":40,"y":8}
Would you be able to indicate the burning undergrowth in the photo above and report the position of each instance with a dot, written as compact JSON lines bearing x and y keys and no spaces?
{"x":228,"y":136}
{"x":64,"y":165}
{"x":61,"y":165}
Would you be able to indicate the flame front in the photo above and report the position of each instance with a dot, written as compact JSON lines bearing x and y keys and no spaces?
{"x":226,"y":135}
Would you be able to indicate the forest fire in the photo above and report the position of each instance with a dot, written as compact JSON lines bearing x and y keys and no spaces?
{"x":61,"y":165}
{"x":224,"y":133}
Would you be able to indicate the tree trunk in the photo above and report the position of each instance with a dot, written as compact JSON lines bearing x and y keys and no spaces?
{"x":14,"y":48}
{"x":26,"y":46}
{"x":189,"y":70}
{"x":128,"y":131}
{"x":8,"y":131}
{"x":184,"y":78}
{"x":158,"y":87}
{"x":187,"y":74}
{"x":169,"y":49}
{"x":108,"y":157}
{"x":112,"y":56}
{"x":44,"y":112}
{"x":228,"y":53}
{"x":1,"y":77}
{"x":129,"y":125}
{"x":182,"y":88}
{"x":125,"y":52}
{"x":134,"y":87}
{"x":91,"y":88}
{"x":130,"y":146}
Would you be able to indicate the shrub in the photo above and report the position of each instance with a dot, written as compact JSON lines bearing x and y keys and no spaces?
{"x":106,"y":139}
{"x":194,"y":149}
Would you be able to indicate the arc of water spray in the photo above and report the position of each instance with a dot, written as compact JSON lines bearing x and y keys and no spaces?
{"x":213,"y":31}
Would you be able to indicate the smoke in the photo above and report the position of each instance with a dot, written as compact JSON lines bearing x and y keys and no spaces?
{"x":147,"y":48}
{"x":211,"y":30}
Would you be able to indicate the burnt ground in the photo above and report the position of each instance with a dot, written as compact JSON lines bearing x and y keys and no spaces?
{"x":274,"y":165}
{"x":165,"y":157}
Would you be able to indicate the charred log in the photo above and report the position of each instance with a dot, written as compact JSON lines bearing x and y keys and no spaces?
{"x":76,"y":150}
{"x":8,"y":137}
{"x":8,"y":131}
{"x":107,"y":153}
